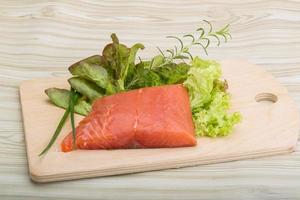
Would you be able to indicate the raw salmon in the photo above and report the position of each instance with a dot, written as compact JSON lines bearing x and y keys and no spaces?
{"x":153,"y":117}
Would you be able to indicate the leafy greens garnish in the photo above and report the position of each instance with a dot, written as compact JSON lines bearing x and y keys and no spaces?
{"x":209,"y":99}
{"x":116,"y":71}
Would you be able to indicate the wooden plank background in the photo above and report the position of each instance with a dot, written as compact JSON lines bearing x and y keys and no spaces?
{"x":41,"y":38}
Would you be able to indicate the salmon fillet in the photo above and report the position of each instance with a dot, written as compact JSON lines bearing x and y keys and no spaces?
{"x":154,"y":117}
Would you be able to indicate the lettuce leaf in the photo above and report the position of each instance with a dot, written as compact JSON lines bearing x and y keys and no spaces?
{"x":119,"y":61}
{"x":61,"y":98}
{"x":90,"y":68}
{"x":209,"y":100}
{"x":86,"y":88}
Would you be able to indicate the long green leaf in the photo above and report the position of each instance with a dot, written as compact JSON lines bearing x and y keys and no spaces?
{"x":73,"y":100}
{"x":57,"y":131}
{"x":130,"y":60}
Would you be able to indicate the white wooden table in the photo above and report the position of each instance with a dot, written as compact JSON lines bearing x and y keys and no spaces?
{"x":41,"y":38}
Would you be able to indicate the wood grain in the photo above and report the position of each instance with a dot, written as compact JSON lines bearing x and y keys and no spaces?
{"x":41,"y":38}
{"x":270,"y":126}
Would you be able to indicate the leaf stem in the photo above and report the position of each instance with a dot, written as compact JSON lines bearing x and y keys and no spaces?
{"x":73,"y":100}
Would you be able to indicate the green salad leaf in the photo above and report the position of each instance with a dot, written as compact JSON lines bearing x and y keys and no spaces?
{"x":114,"y":56}
{"x":200,"y":81}
{"x":128,"y":71}
{"x":209,"y":100}
{"x":119,"y":61}
{"x":86,"y":88}
{"x":61,"y":98}
{"x":91,"y":69}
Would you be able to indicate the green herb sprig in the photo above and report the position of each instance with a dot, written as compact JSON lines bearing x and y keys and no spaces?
{"x":202,"y":39}
{"x":57,"y":131}
{"x":73,"y":100}
{"x":69,"y":111}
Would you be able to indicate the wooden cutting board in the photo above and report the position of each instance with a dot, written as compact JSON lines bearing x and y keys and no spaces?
{"x":270,"y":126}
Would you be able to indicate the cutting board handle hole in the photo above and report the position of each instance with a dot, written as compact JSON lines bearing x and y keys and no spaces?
{"x":266,"y":97}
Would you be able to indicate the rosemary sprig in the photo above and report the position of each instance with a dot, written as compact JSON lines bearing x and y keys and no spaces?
{"x":202,"y":39}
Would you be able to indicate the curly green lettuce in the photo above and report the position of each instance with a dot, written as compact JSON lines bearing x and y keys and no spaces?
{"x":209,"y":100}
